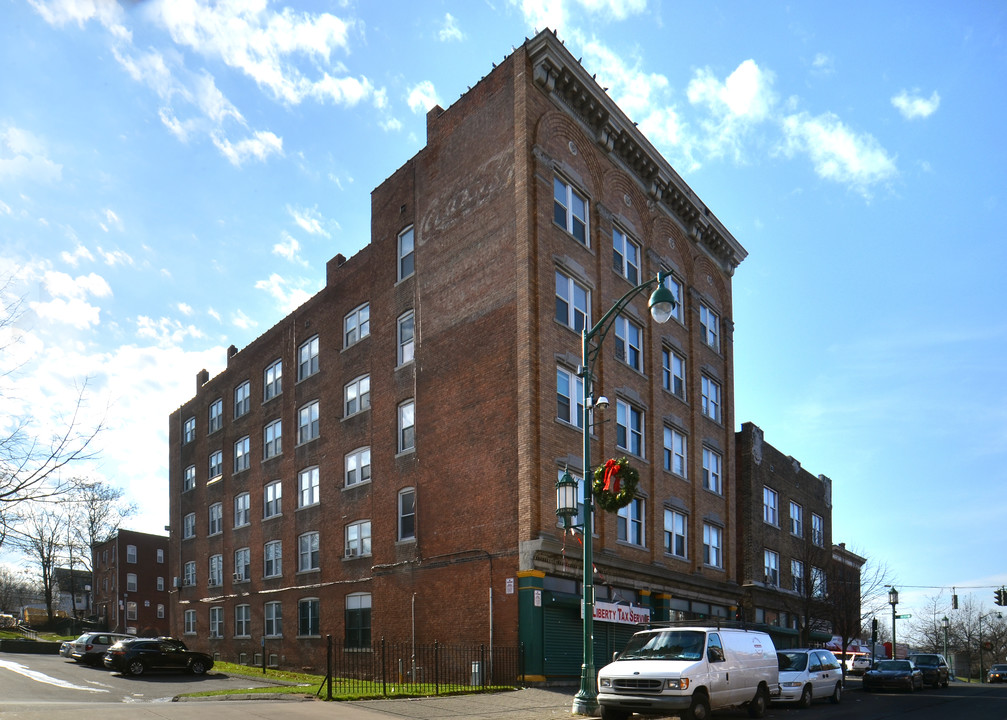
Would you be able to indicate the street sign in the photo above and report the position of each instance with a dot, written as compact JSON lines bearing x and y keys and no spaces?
{"x":903,"y":617}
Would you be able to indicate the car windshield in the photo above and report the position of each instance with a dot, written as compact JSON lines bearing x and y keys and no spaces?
{"x":998,"y":668}
{"x":792,"y":661}
{"x":924,"y":659}
{"x":899,"y":665}
{"x":668,"y":645}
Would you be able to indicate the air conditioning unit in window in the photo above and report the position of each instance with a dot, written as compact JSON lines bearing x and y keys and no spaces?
{"x":771,"y":579}
{"x":352,"y":552}
{"x":238,"y":577}
{"x":211,"y":582}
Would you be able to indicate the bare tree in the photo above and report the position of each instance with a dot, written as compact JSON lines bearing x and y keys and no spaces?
{"x":15,"y":590}
{"x":40,"y":537}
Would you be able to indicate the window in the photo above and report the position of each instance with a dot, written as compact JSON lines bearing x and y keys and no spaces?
{"x":216,"y":570}
{"x":216,"y":622}
{"x":628,"y":428}
{"x":817,"y":530}
{"x":358,"y":538}
{"x":407,"y":258}
{"x":131,"y":553}
{"x":189,"y":478}
{"x":243,"y":621}
{"x":189,"y":430}
{"x":160,"y":584}
{"x":711,"y":398}
{"x":406,"y":334}
{"x":242,"y":505}
{"x":625,"y":256}
{"x":569,"y":397}
{"x":770,"y":507}
{"x":357,"y":325}
{"x":307,"y":617}
{"x":712,"y":545}
{"x":357,"y":395}
{"x":160,"y":610}
{"x":242,"y":399}
{"x":632,"y":524}
{"x":189,"y":573}
{"x":216,"y":519}
{"x":797,"y":576}
{"x":216,"y":415}
{"x":709,"y":326}
{"x":407,"y":426}
{"x":676,"y":533}
{"x":818,"y":588}
{"x":771,"y":562}
{"x":570,"y":210}
{"x":358,"y":620}
{"x":673,"y":373}
{"x":241,"y":459}
{"x":629,"y":343}
{"x":407,"y":514}
{"x":307,"y":358}
{"x":358,"y":466}
{"x":796,"y":519}
{"x":272,"y":559}
{"x":160,"y":555}
{"x":189,"y":526}
{"x":242,"y":564}
{"x":676,"y":291}
{"x":711,"y":471}
{"x":131,"y":582}
{"x":272,"y":494}
{"x":572,"y":306}
{"x":190,"y":622}
{"x":272,"y":439}
{"x":307,"y":487}
{"x":307,"y":421}
{"x":307,"y":552}
{"x":273,"y":381}
{"x":273,"y":619}
{"x":675,"y":451}
{"x":131,"y":610}
{"x":216,"y":465}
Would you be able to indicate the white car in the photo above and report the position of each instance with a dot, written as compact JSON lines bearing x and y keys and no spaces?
{"x":861,"y":665}
{"x":807,"y":675}
{"x":90,"y":647}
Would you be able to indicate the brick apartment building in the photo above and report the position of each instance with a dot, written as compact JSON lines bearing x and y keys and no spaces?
{"x":382,"y":462}
{"x":131,"y":583}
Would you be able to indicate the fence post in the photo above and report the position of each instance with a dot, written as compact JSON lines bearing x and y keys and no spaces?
{"x":520,"y":664}
{"x":482,"y":666}
{"x":384,"y":687}
{"x":437,"y":669}
{"x":328,"y":662}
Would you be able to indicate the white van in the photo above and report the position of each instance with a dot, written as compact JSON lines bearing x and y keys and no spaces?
{"x":689,"y":671}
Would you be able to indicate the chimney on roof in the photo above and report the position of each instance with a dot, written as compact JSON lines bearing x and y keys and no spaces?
{"x":202,"y":377}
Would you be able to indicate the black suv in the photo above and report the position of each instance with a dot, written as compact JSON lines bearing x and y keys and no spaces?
{"x":135,"y":657}
{"x":934,"y":667}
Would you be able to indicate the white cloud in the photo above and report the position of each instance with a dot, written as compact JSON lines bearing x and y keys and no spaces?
{"x":23,"y":157}
{"x":115,"y":257}
{"x":541,"y":15}
{"x":308,"y":219}
{"x":744,"y":99}
{"x":913,"y":105}
{"x":290,"y":298}
{"x":79,"y":253}
{"x":450,"y":30}
{"x":165,"y":331}
{"x":287,"y":247}
{"x":422,"y":97}
{"x":243,"y":321}
{"x":823,"y":64}
{"x":259,"y":147}
{"x":185,"y":308}
{"x":80,"y":12}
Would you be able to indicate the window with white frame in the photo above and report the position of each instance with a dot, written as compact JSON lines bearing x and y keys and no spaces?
{"x":307,"y":487}
{"x":570,"y":210}
{"x":189,"y":573}
{"x":131,"y":610}
{"x":676,"y":533}
{"x":629,"y":342}
{"x":242,"y":564}
{"x":407,"y":253}
{"x":160,"y":610}
{"x":272,"y":439}
{"x":357,"y":325}
{"x":407,"y":426}
{"x":131,"y":553}
{"x":357,"y":622}
{"x":709,"y":326}
{"x":131,"y":582}
{"x":572,"y":303}
{"x":216,"y":570}
{"x":358,"y":466}
{"x":189,"y":430}
{"x":357,"y":395}
{"x":770,"y":506}
{"x":308,"y":427}
{"x":307,"y":358}
{"x":307,"y":551}
{"x":675,"y":287}
{"x":629,"y":428}
{"x":406,"y":337}
{"x":216,"y":622}
{"x":190,"y":622}
{"x":673,"y":372}
{"x":358,"y":538}
{"x":243,"y":621}
{"x":818,"y":588}
{"x":242,"y":506}
{"x":407,"y":514}
{"x":241,"y":454}
{"x":271,"y":497}
{"x":272,"y":381}
{"x":189,"y":478}
{"x":216,"y":519}
{"x":711,"y":397}
{"x":272,"y":619}
{"x":797,"y":576}
{"x":272,"y":559}
{"x":160,"y":583}
{"x":307,"y":618}
{"x":625,"y":256}
{"x":216,"y":465}
{"x":216,"y":415}
{"x":712,"y":472}
{"x":631,"y":523}
{"x":796,"y":519}
{"x":817,"y":530}
{"x":675,"y":446}
{"x":189,"y":526}
{"x":712,"y":545}
{"x":569,"y":397}
{"x":771,"y":565}
{"x":242,"y":399}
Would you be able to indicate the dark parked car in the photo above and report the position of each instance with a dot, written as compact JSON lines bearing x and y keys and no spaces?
{"x":893,"y":674}
{"x":934,"y":668}
{"x":997,"y":674}
{"x":135,"y":657}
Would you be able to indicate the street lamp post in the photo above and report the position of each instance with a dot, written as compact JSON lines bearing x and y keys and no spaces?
{"x":945,"y":624}
{"x":893,"y":599}
{"x":662,"y":304}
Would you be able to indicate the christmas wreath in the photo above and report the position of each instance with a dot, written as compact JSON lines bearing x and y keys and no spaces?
{"x":615,"y":484}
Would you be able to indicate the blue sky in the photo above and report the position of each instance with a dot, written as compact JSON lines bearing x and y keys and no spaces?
{"x":174,"y":175}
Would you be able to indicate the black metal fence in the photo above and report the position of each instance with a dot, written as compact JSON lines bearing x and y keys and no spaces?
{"x":387,"y":669}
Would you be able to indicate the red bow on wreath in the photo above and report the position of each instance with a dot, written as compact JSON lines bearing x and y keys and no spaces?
{"x":612,"y":476}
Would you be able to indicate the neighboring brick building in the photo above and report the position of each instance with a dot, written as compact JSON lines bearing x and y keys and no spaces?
{"x":381,"y":463}
{"x":131,"y":583}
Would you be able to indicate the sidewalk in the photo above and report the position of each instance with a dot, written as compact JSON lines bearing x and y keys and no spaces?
{"x":526,"y":704}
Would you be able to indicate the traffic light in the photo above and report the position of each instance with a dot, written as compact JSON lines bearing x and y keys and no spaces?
{"x":1000,"y":596}
{"x":874,"y":631}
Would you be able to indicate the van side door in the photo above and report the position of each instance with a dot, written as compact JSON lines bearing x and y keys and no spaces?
{"x":719,"y":672}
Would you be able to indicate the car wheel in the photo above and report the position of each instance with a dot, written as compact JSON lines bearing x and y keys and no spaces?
{"x":700,"y":707}
{"x":837,"y":694}
{"x":757,"y":705}
{"x":805,"y":701}
{"x":197,"y":667}
{"x":135,"y":667}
